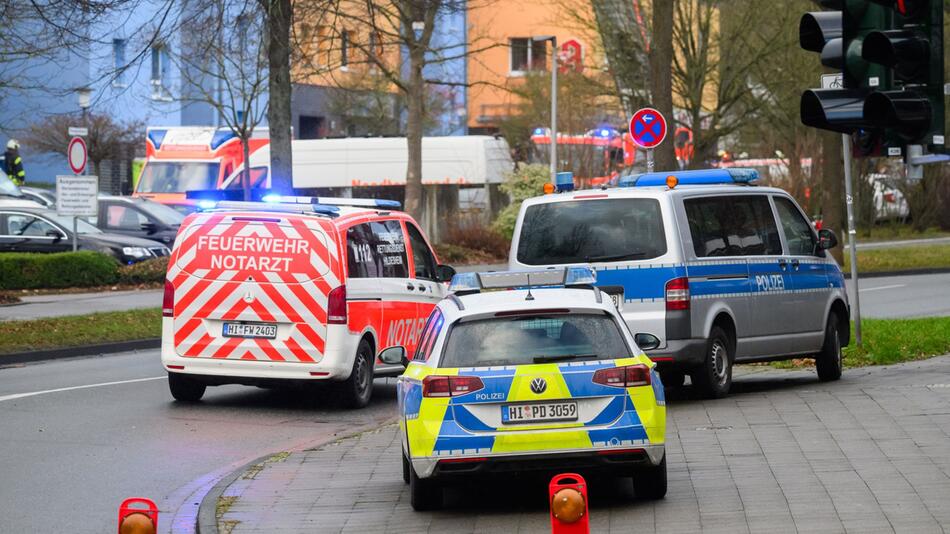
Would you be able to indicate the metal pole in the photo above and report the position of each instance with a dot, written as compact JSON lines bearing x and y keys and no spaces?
{"x":75,"y":234}
{"x":649,"y":160}
{"x":852,"y":238}
{"x":553,"y":109}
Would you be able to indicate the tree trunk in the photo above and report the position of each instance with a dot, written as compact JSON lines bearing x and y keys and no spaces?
{"x":416,"y":112}
{"x":832,"y":194}
{"x":661,"y":79}
{"x":246,"y":173}
{"x":279,"y":17}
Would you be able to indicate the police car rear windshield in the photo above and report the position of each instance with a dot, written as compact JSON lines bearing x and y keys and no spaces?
{"x":585,"y":231}
{"x":530,"y":339}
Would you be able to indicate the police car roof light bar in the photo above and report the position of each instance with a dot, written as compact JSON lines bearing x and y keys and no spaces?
{"x":465,"y":283}
{"x":700,"y":177}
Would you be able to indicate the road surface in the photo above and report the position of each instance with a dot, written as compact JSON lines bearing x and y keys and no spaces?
{"x":921,"y":295}
{"x":79,"y":436}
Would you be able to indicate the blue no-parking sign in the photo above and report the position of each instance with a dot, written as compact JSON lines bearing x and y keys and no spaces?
{"x":647,"y":128}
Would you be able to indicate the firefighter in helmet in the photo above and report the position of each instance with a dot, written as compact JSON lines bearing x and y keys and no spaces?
{"x":14,"y":163}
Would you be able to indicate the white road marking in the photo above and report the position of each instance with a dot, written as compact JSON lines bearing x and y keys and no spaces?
{"x":57,"y":390}
{"x":882,"y":287}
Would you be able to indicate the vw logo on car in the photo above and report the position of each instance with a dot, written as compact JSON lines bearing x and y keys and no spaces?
{"x":539,"y":386}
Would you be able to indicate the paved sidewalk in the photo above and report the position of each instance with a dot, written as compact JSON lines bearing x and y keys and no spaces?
{"x":784,"y":453}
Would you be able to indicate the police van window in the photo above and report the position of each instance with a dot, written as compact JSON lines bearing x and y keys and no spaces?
{"x":421,"y":255}
{"x":429,"y":334}
{"x":533,"y":339}
{"x":732,"y":226}
{"x":801,"y":241}
{"x":591,"y":231}
{"x":376,"y":250}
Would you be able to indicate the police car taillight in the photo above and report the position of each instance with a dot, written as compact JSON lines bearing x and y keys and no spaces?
{"x":450,"y":386}
{"x":336,"y":306}
{"x":168,"y":300}
{"x":623,"y":377}
{"x":677,"y":294}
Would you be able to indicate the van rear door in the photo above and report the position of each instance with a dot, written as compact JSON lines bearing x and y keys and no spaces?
{"x":253,"y":286}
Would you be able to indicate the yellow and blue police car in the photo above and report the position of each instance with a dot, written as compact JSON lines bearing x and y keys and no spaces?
{"x":528,"y":371}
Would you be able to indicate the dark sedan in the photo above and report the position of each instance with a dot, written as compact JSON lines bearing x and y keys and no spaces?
{"x":41,"y":230}
{"x":138,"y":217}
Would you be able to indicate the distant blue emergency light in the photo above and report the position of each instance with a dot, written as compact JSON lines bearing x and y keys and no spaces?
{"x":700,"y":177}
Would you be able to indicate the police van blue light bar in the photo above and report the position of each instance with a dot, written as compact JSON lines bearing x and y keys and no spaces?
{"x":700,"y":177}
{"x":564,"y":181}
{"x":563,"y":277}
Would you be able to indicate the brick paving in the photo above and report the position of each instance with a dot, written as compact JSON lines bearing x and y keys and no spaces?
{"x":783,"y":453}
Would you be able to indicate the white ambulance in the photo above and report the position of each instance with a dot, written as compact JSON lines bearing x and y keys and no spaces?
{"x":296,"y":289}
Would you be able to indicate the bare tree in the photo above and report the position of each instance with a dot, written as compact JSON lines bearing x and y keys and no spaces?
{"x":223,"y":64}
{"x":107,"y":139}
{"x":279,"y":17}
{"x":661,"y":81}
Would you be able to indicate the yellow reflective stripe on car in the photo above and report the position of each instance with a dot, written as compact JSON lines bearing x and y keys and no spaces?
{"x":424,"y":430}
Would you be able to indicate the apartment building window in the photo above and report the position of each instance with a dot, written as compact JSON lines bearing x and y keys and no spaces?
{"x":344,"y":48}
{"x":118,"y":62}
{"x":527,"y":55}
{"x":160,"y":72}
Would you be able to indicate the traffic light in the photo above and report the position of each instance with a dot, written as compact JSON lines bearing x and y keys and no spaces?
{"x":890,"y":53}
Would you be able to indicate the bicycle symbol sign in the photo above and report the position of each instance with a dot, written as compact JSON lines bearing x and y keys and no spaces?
{"x":648,"y":128}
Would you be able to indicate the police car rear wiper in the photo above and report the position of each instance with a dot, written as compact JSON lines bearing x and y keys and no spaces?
{"x":615,"y":257}
{"x":562,"y":357}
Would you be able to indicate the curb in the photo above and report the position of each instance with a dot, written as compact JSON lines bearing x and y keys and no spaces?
{"x":906,"y":272}
{"x":207,"y":521}
{"x":99,"y":349}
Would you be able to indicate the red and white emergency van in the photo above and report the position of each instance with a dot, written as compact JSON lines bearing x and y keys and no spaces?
{"x":299,"y":289}
{"x":181,"y":159}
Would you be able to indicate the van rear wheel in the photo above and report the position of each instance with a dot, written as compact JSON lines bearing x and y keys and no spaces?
{"x":356,"y":390}
{"x":713,"y":377}
{"x":184,"y":388}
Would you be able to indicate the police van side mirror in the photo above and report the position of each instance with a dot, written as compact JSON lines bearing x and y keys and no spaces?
{"x":444,"y":273}
{"x":827,"y":239}
{"x":394,"y":356}
{"x":646,"y":341}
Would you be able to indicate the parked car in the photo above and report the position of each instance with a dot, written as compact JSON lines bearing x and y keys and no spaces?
{"x":12,"y":196}
{"x":719,"y":270}
{"x":43,"y":197}
{"x":42,"y":230}
{"x":137,"y":217}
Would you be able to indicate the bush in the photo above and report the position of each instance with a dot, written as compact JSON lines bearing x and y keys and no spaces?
{"x":67,"y":269}
{"x":145,"y":272}
{"x":527,"y":182}
{"x":472,"y":233}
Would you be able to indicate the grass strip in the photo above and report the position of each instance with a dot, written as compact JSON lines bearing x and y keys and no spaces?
{"x":900,"y":259}
{"x":78,"y":330}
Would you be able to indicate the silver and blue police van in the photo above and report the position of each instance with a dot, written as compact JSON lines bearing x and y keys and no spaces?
{"x":710,"y":268}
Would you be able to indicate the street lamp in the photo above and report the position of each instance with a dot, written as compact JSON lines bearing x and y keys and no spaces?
{"x":85,"y":100}
{"x":553,"y":39}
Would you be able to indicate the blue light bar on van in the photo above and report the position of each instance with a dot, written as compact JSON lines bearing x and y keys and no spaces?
{"x":700,"y":177}
{"x":563,"y":277}
{"x":564,"y":181}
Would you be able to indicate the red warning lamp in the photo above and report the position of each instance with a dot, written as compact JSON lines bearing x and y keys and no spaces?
{"x":569,"y":511}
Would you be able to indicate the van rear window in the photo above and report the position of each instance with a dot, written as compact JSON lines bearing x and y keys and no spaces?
{"x":583,"y":231}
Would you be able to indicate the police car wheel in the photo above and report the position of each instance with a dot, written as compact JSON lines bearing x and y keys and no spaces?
{"x":405,"y":468}
{"x":184,"y":388}
{"x":650,"y":483}
{"x":828,"y":363}
{"x":713,"y":377}
{"x":424,"y":494}
{"x":356,"y":390}
{"x":673,"y":379}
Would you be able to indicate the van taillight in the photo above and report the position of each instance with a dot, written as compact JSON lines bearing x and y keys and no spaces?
{"x":623,"y":377}
{"x":168,"y":300}
{"x":677,"y":294}
{"x":336,"y":306}
{"x":450,"y":386}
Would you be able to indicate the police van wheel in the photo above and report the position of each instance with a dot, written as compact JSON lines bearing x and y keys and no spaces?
{"x":673,"y":379}
{"x":405,"y":468}
{"x":713,"y":377}
{"x":828,"y":363}
{"x":650,"y":483}
{"x":424,"y":494}
{"x":185,"y":388}
{"x":356,"y":390}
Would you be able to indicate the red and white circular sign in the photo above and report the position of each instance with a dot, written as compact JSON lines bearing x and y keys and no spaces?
{"x":76,"y":154}
{"x":647,"y":128}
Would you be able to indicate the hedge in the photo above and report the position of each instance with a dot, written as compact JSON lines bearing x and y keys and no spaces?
{"x":144,"y":272}
{"x":67,"y":269}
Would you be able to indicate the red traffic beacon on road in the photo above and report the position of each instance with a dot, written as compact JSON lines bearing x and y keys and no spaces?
{"x":568,"y":494}
{"x":138,"y":515}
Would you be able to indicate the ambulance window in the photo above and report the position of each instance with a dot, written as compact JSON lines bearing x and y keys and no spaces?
{"x":429,"y":334}
{"x":376,"y":250}
{"x":732,"y":226}
{"x":801,"y":241}
{"x":421,"y":255}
